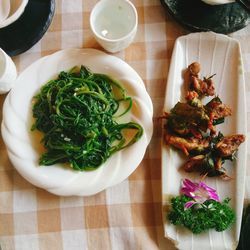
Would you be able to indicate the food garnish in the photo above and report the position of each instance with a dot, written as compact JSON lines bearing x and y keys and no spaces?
{"x":199,"y":208}
{"x":191,"y":127}
{"x":78,"y":113}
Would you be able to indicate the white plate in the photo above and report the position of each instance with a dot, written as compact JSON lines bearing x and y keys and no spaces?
{"x":23,"y":147}
{"x":221,"y":55}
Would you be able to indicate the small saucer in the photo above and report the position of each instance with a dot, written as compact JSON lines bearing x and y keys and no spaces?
{"x":29,"y":28}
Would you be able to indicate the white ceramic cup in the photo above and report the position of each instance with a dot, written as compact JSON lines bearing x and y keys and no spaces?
{"x":17,"y":8}
{"x":217,"y":2}
{"x":4,"y":10}
{"x":114,"y":24}
{"x":8,"y":72}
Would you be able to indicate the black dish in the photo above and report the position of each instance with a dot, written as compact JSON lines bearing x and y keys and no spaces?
{"x":244,"y":242}
{"x":29,"y":28}
{"x":198,"y":16}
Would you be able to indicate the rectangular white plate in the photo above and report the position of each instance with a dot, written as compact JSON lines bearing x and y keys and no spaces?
{"x":220,"y":55}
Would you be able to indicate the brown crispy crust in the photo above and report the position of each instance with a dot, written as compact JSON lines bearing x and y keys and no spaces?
{"x":187,"y":144}
{"x":229,"y":144}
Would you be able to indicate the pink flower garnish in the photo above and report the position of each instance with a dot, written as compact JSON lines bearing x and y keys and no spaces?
{"x":199,"y":192}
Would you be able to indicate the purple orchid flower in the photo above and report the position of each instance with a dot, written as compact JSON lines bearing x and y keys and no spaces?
{"x":199,"y":192}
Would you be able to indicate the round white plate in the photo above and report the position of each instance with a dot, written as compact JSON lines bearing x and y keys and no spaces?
{"x":23,"y":146}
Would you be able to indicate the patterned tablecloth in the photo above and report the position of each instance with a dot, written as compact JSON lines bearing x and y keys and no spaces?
{"x":128,"y":215}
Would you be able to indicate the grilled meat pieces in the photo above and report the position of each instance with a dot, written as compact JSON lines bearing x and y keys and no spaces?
{"x":187,"y":144}
{"x":229,"y":145}
{"x":203,"y":87}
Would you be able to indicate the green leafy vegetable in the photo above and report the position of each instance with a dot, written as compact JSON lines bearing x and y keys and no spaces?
{"x":77,"y":113}
{"x":201,"y":217}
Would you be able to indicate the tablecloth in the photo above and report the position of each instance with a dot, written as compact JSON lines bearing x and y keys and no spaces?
{"x":125,"y":216}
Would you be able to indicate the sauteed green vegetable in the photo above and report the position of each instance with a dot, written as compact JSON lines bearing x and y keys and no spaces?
{"x":78,"y":112}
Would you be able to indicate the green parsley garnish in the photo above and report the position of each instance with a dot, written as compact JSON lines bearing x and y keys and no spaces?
{"x":201,"y":217}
